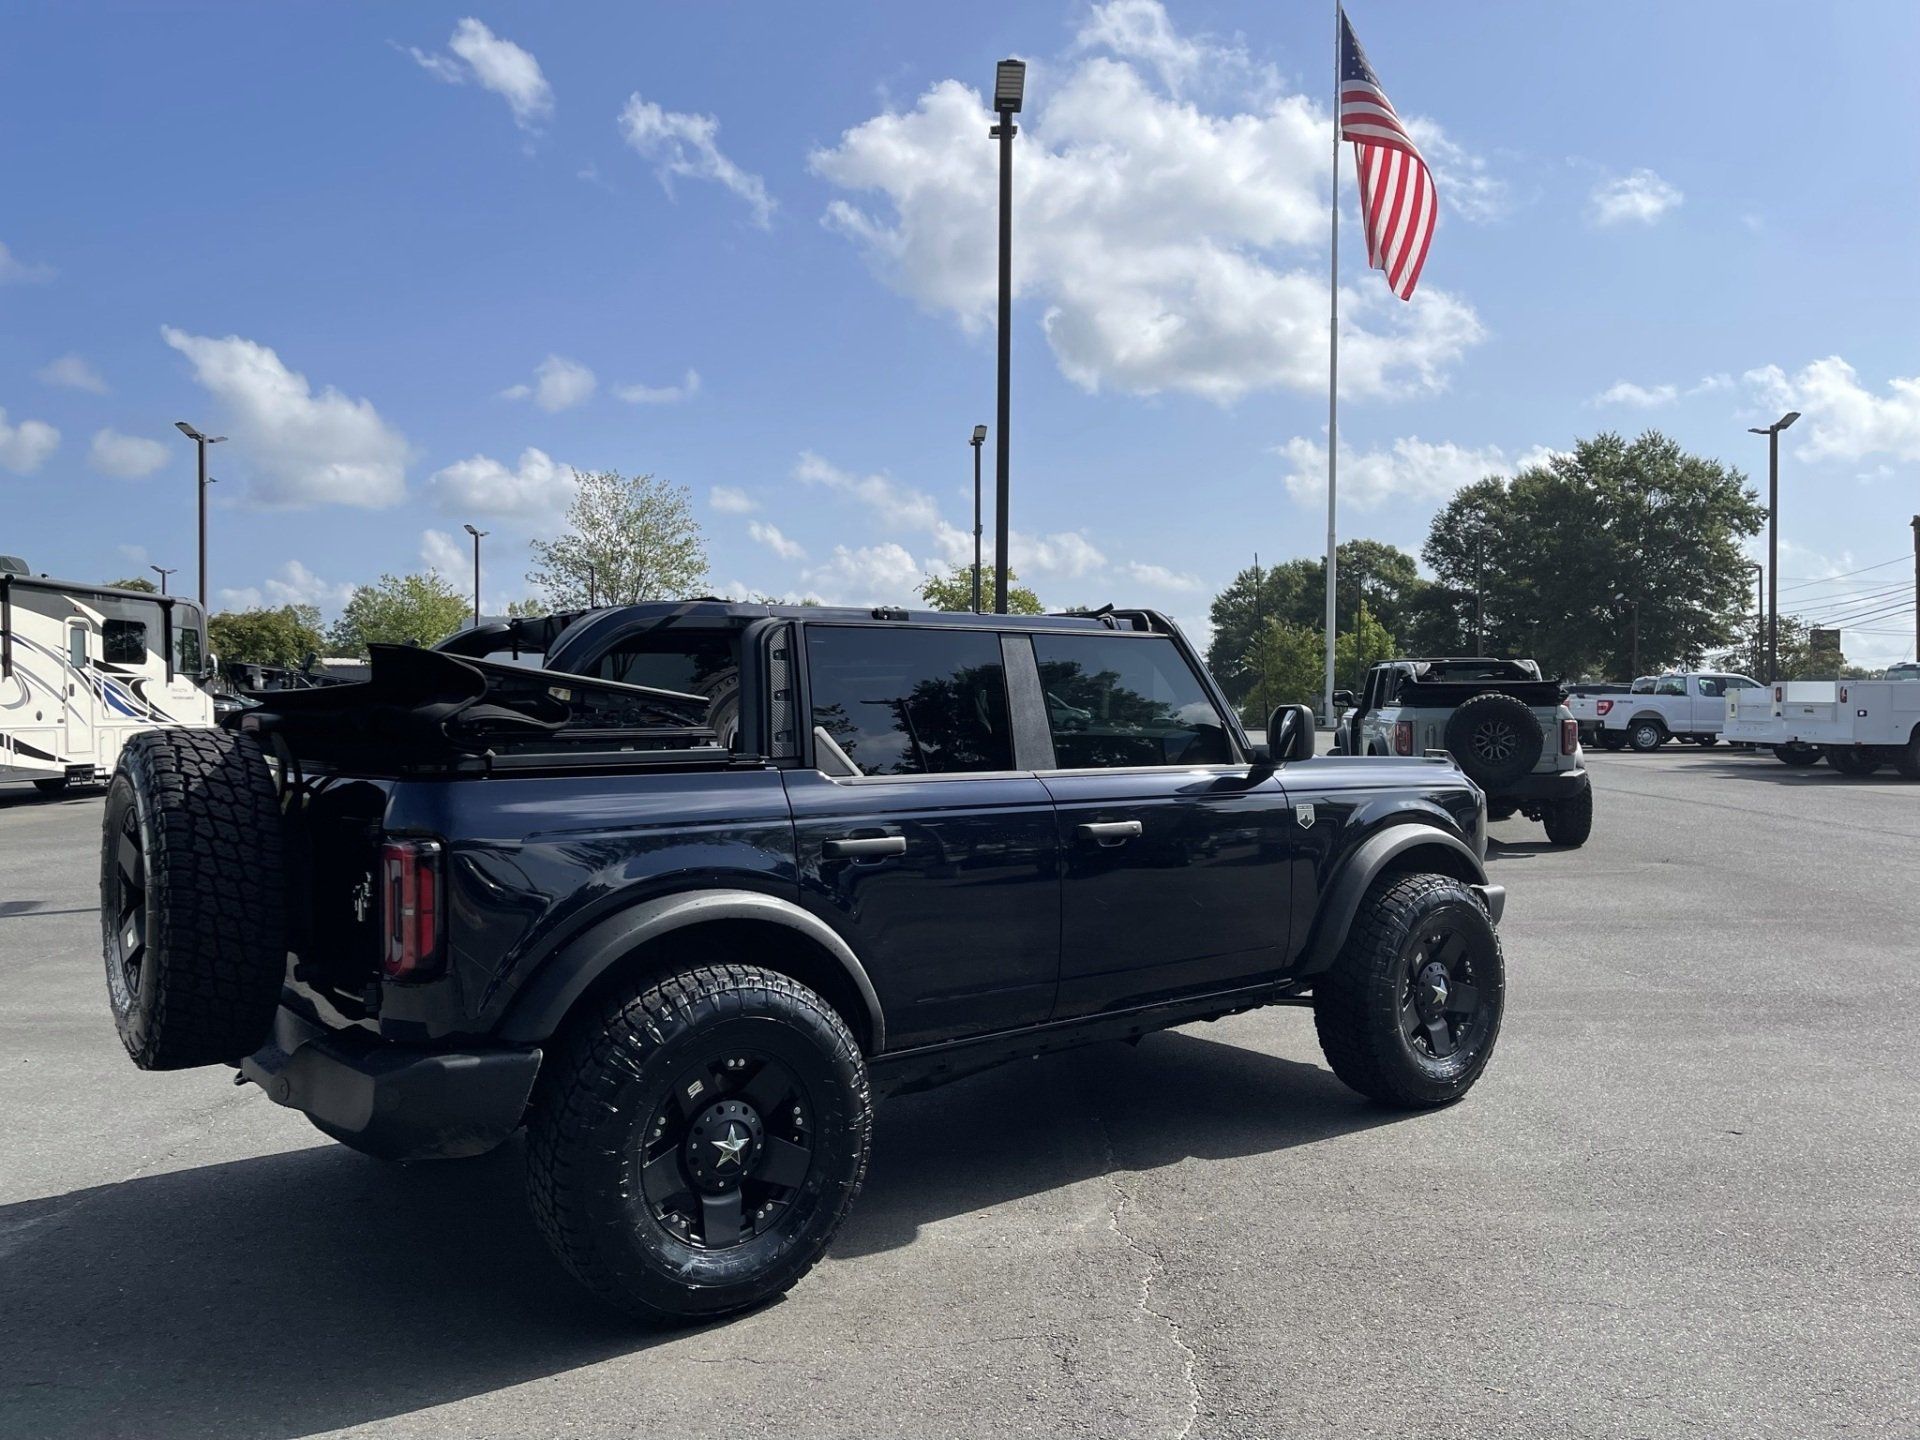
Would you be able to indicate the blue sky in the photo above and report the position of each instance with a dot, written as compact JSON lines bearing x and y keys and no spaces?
{"x":419,"y":260}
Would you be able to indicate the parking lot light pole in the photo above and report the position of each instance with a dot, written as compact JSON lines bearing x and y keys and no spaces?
{"x":163,"y":571}
{"x":476,"y":568}
{"x":979,"y":439}
{"x":1916,"y":587}
{"x":201,"y":441}
{"x":1772,"y":432}
{"x":1009,"y":90}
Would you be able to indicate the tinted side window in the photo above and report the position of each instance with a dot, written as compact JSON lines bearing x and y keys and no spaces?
{"x":123,"y":642}
{"x":911,"y":702}
{"x":1671,"y":685}
{"x":1116,"y":701}
{"x":1711,"y":687}
{"x":186,"y":650}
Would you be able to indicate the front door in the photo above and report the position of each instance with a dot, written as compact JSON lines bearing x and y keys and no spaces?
{"x":78,"y":684}
{"x":1178,"y":854}
{"x":920,"y":839}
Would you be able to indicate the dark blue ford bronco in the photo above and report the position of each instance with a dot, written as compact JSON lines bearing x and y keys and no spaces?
{"x":681,"y":887}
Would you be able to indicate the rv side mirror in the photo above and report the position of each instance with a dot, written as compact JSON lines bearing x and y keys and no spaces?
{"x":1290,"y":734}
{"x":1343,"y":699}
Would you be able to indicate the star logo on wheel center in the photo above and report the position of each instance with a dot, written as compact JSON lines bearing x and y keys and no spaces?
{"x":730,"y":1146}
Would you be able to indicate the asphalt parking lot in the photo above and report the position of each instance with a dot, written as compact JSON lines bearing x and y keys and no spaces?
{"x":1685,"y":1200}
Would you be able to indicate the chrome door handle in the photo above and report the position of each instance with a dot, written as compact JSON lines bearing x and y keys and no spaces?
{"x":1111,"y":832}
{"x":865,"y":847}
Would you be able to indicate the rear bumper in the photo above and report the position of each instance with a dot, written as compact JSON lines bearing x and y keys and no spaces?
{"x":1543,"y":785}
{"x":391,"y":1100}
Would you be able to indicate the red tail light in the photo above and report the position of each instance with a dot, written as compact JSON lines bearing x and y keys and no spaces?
{"x":1603,"y":707}
{"x":410,"y":905}
{"x":1403,"y":737}
{"x":1569,"y":736}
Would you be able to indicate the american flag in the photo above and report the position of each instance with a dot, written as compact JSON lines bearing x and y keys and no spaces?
{"x":1397,"y":199}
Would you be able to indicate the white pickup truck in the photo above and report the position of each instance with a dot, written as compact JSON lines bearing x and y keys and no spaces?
{"x":1660,"y":708}
{"x":1856,"y":725}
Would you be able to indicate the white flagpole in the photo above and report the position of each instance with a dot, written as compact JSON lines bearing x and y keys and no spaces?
{"x":1333,"y":369}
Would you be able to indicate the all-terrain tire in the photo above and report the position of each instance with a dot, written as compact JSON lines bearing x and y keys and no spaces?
{"x":1798,"y":756}
{"x":1495,"y":738}
{"x":192,"y":917}
{"x":1361,"y":1008}
{"x":1646,"y":736}
{"x":613,"y":1086}
{"x":1570,"y":822}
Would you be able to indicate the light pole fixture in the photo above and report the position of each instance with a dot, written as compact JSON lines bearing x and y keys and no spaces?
{"x":979,"y":439}
{"x":1009,"y":90}
{"x":163,"y":571}
{"x":476,"y":568}
{"x":201,"y":442}
{"x":1772,"y":432}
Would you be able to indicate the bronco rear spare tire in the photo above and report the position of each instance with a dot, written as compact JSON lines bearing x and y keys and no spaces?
{"x":1495,"y":738}
{"x":191,"y":911}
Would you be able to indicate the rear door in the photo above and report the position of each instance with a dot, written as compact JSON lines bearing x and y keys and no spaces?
{"x":1177,"y":854}
{"x":923,"y":835}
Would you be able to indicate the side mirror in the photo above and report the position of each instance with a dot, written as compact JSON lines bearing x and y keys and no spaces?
{"x":1290,"y":734}
{"x":1343,"y":699}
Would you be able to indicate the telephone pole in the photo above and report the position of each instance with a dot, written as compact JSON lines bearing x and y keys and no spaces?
{"x":1916,"y":587}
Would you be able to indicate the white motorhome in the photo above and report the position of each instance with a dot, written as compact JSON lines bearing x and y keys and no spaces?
{"x":82,"y":667}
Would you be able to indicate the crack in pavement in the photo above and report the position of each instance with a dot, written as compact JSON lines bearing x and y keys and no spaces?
{"x":1150,"y":1268}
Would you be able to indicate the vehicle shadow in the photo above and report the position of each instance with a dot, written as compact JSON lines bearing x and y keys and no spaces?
{"x":1038,"y":1125}
{"x":316,"y":1289}
{"x":24,"y":796}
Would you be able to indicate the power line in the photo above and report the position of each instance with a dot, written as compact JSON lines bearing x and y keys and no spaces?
{"x":1845,"y":574}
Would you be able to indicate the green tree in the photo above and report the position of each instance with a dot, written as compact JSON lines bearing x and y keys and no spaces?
{"x":1617,"y":548}
{"x":286,"y":635}
{"x":1360,"y":645}
{"x":1285,"y":663}
{"x":400,"y":610}
{"x":1382,"y":576}
{"x":629,"y":538}
{"x":138,"y":582}
{"x":954,"y":591}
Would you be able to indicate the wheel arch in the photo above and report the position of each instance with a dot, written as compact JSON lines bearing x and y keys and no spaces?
{"x":1406,"y":848}
{"x":671,"y":932}
{"x":1655,"y":716}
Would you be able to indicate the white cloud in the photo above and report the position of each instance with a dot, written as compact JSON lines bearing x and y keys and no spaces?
{"x":1846,"y":420}
{"x":1171,"y":247}
{"x":127,"y":456}
{"x":25,"y":445}
{"x":684,"y":146}
{"x":770,"y":536}
{"x":14,"y":271}
{"x":1466,"y":183}
{"x":559,"y":384}
{"x":72,"y":372}
{"x":1651,"y":397}
{"x":1140,"y":30}
{"x":1644,"y":397}
{"x":661,"y":394}
{"x":538,"y":488}
{"x":494,"y":64}
{"x":301,"y":448}
{"x":871,"y":574}
{"x":1640,"y":198}
{"x":1409,"y":469}
{"x":1160,"y":577}
{"x":1066,"y":554}
{"x":294,"y":585}
{"x":730,"y":501}
{"x":446,"y":553}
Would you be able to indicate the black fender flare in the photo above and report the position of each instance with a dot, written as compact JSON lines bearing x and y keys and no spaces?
{"x":1365,"y":864}
{"x":536,"y":1012}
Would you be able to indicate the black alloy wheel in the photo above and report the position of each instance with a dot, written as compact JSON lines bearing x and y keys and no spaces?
{"x":1440,"y":1012}
{"x":124,"y":899}
{"x":727,"y":1152}
{"x":1494,"y":742}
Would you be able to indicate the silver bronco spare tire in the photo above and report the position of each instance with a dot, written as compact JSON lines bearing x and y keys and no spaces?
{"x":191,"y":910}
